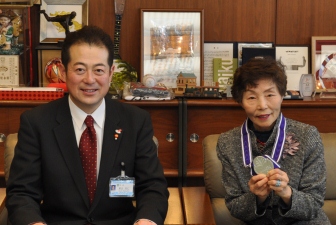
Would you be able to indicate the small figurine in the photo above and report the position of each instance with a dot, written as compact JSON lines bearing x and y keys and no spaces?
{"x":6,"y":31}
{"x":64,"y":20}
{"x":17,"y":29}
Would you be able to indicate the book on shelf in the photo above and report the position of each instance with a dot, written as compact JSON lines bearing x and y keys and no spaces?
{"x":30,"y":93}
{"x":223,"y":70}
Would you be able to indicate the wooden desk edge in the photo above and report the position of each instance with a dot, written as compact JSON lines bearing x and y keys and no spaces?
{"x":2,"y":198}
{"x":197,"y":206}
{"x":175,"y":210}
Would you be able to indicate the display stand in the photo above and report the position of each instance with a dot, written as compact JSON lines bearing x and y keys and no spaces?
{"x":328,"y":93}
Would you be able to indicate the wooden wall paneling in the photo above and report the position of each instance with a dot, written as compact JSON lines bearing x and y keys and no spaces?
{"x":298,"y":20}
{"x":205,"y":118}
{"x":4,"y":121}
{"x":101,"y":13}
{"x":239,"y":20}
{"x":319,"y":114}
{"x":165,"y":120}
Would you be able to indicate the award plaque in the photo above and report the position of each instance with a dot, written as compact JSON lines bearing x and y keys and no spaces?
{"x":9,"y":70}
{"x":307,"y":85}
{"x":262,"y":165}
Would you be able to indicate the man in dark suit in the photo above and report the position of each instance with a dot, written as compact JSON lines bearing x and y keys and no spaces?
{"x":47,"y":182}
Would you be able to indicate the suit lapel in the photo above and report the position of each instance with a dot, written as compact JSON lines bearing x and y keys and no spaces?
{"x":110,"y":148}
{"x":69,"y":149}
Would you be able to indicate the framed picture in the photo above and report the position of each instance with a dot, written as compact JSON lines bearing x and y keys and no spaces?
{"x":172,"y":45}
{"x":46,"y":56}
{"x":9,"y":73}
{"x":252,"y":52}
{"x":242,"y":45}
{"x":52,"y":11}
{"x":324,"y":62}
{"x":296,"y":61}
{"x":16,"y":3}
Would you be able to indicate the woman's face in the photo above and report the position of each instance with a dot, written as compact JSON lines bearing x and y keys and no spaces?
{"x":262,"y":104}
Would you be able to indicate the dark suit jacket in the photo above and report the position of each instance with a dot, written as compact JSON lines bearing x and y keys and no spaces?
{"x":47,"y":182}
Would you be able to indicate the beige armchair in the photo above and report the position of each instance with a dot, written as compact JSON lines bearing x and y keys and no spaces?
{"x":214,"y":187}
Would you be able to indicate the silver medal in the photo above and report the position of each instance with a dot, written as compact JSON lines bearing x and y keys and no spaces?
{"x":262,"y":165}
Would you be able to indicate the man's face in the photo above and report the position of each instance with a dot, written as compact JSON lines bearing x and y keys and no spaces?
{"x":262,"y":104}
{"x":88,"y":76}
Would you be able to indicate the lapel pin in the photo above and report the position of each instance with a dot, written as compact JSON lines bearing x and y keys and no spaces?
{"x":118,"y":131}
{"x":116,"y":135}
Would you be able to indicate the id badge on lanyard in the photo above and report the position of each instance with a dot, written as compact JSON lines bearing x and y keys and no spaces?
{"x":122,"y":186}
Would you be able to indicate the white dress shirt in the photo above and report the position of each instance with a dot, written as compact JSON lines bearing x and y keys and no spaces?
{"x":78,"y":117}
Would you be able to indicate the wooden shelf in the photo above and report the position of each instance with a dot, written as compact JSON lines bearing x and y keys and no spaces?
{"x":182,"y":158}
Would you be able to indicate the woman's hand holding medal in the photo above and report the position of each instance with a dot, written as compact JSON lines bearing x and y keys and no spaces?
{"x":268,"y":179}
{"x":258,"y":185}
{"x":278,"y":181}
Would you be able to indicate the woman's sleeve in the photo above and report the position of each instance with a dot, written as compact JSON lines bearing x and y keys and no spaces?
{"x":308,"y":198}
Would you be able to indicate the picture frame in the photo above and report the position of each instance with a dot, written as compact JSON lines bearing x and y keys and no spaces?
{"x":9,"y":75}
{"x":256,"y":52}
{"x":16,"y":3}
{"x":323,"y":54}
{"x":44,"y":55}
{"x":242,"y":45}
{"x":53,"y":32}
{"x":172,"y":44}
{"x":296,"y":59}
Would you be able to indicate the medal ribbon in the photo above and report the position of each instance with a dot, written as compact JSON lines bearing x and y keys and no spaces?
{"x":277,"y":148}
{"x":246,"y":145}
{"x":279,"y":140}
